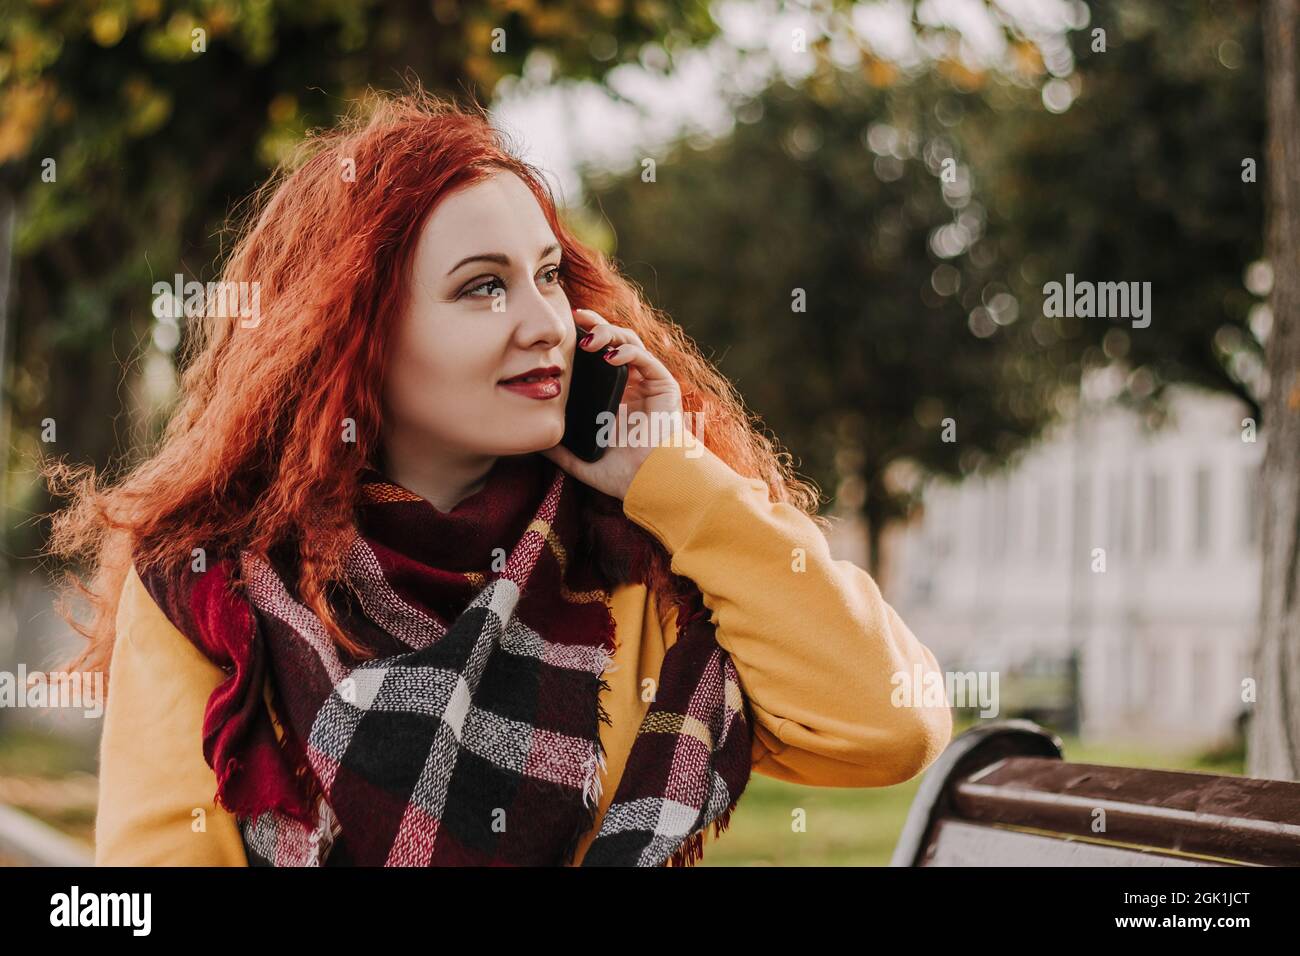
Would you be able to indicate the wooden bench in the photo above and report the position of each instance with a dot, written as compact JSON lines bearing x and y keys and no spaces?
{"x":1003,"y":795}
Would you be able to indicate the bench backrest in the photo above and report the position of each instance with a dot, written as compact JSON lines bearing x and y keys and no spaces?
{"x":1001,"y":795}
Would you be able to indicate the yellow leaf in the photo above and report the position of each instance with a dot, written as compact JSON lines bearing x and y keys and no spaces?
{"x":1028,"y":59}
{"x":879,"y":73}
{"x":107,"y":27}
{"x":962,"y":76}
{"x":24,"y":107}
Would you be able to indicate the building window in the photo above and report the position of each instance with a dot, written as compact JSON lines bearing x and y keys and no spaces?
{"x":1135,"y":682}
{"x":986,"y":521}
{"x":1115,"y":513}
{"x":1011,"y":517}
{"x":1202,"y":504}
{"x":1202,"y":695}
{"x":1252,"y":513}
{"x":1083,"y":543}
{"x":1126,"y":512}
{"x":1046,"y":517}
{"x":1002,"y":505}
{"x":1157,"y":530}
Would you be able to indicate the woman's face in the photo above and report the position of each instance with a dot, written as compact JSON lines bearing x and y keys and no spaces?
{"x":485,"y":305}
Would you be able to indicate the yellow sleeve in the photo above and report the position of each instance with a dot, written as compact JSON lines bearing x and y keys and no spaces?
{"x":816,"y":649}
{"x":152,"y":774}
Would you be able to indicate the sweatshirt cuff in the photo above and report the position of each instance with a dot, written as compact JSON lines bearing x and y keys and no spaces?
{"x":678,"y":485}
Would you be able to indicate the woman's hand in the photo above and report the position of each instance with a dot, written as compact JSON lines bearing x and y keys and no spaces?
{"x":651,"y":390}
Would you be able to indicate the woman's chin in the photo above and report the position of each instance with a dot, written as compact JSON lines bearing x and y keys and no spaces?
{"x":534,"y":439}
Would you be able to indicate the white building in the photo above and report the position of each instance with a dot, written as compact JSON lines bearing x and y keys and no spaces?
{"x":1138,"y":548}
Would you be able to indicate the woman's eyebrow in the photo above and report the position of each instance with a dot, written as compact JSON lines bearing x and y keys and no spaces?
{"x":500,"y":258}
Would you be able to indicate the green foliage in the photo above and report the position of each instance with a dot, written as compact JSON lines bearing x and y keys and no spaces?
{"x":837,"y":193}
{"x":1138,"y":180}
{"x":1141,"y":180}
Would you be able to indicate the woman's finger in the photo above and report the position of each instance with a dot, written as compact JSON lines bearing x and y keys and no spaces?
{"x":588,"y":319}
{"x":607,"y":334}
{"x":653,"y":372}
{"x":604,"y":333}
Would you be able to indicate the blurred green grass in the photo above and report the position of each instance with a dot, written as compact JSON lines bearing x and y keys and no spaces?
{"x":26,"y":752}
{"x":859,"y":827}
{"x":29,"y":756}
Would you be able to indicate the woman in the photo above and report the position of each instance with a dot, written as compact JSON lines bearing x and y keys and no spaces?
{"x":360,"y":607}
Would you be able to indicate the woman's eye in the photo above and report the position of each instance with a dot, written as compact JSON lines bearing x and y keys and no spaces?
{"x":483,"y":285}
{"x":551,"y":275}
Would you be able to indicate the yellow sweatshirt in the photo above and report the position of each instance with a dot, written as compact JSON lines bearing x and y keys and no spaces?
{"x":812,"y":639}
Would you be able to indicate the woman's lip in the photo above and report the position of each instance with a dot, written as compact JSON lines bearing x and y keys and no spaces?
{"x":541,"y":371}
{"x":542,"y":389}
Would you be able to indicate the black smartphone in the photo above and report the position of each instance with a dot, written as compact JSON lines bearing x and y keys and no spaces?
{"x":594,"y":387}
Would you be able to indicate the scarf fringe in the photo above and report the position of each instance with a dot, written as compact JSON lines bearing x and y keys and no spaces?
{"x":594,"y":778}
{"x":692,"y":851}
{"x":302,"y":805}
{"x":598,"y":758}
{"x":304,"y":777}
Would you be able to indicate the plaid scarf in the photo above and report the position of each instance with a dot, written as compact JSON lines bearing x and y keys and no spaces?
{"x":468,"y":734}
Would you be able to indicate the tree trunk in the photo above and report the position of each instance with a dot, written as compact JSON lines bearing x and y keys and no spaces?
{"x":1274,"y":737}
{"x":874,"y":514}
{"x":8,"y":599}
{"x":7,"y":216}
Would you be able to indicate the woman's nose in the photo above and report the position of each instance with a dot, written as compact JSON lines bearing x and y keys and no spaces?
{"x":544,"y":319}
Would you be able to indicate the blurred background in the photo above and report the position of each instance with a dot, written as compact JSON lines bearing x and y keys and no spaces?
{"x":853,"y":207}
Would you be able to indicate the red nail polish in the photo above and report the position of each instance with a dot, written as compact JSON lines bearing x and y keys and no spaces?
{"x":586,"y":339}
{"x":610,"y":354}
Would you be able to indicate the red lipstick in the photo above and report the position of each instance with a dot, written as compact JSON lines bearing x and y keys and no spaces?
{"x":541,"y":383}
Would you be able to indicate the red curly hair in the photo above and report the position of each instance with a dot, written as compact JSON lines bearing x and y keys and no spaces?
{"x":251,"y":459}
